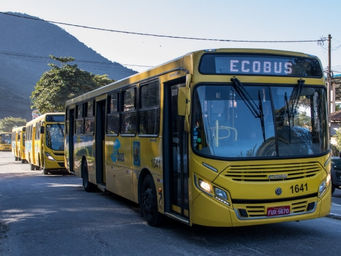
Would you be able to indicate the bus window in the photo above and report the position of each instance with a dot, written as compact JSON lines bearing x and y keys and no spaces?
{"x":149,"y":113}
{"x":79,"y":120}
{"x":113,"y":115}
{"x":89,"y":122}
{"x":128,"y":125}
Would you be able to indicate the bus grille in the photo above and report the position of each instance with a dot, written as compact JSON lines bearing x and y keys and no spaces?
{"x":259,"y":211}
{"x":271,"y":172}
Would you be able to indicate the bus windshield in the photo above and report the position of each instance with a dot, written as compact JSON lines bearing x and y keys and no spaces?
{"x":6,"y":138}
{"x":265,"y":121}
{"x":55,"y":136}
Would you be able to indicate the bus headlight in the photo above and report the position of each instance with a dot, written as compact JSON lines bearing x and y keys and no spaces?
{"x":49,"y":156}
{"x":213,"y":191}
{"x":324,"y":185}
{"x":205,"y":186}
{"x":221,"y":195}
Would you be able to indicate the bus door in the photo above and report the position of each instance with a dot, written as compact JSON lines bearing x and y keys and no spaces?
{"x":99,"y":141}
{"x":71,"y":135}
{"x":175,"y":150}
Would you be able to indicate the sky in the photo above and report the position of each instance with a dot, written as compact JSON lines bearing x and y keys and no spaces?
{"x":223,"y":19}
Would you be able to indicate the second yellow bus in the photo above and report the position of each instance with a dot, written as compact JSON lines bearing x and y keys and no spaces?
{"x":44,"y":145}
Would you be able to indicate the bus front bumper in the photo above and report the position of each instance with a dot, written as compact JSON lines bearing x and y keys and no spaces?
{"x":206,"y":211}
{"x":5,"y":148}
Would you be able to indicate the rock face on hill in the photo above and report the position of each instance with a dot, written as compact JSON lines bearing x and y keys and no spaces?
{"x":25,"y":46}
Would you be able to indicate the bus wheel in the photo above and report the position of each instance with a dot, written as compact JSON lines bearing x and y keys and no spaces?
{"x":45,"y":172}
{"x":333,"y":189}
{"x":32,"y":167}
{"x":148,"y":202}
{"x":87,"y":185}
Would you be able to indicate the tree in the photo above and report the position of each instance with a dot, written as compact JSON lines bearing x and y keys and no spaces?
{"x":7,"y":123}
{"x":59,"y":84}
{"x":338,"y":139}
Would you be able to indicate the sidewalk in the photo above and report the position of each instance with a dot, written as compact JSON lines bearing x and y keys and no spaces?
{"x":335,"y":211}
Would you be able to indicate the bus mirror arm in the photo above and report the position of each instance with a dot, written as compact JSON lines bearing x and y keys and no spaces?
{"x":184,"y":95}
{"x":183,"y":100}
{"x":184,"y":105}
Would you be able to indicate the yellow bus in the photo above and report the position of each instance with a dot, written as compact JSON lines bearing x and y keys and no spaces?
{"x":18,"y":143}
{"x":5,"y":141}
{"x":225,"y":137}
{"x":44,"y":145}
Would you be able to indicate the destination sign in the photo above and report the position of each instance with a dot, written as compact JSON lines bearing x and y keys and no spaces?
{"x":255,"y":64}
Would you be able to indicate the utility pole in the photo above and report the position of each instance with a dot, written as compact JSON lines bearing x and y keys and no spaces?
{"x":331,"y":86}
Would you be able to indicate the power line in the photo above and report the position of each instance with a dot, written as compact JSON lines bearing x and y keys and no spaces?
{"x":319,"y":41}
{"x":24,"y":55}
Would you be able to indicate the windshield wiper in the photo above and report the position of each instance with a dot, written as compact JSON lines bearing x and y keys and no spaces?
{"x":261,"y":112}
{"x":252,"y":106}
{"x":61,"y":128}
{"x":288,"y":112}
{"x":256,"y":110}
{"x":295,"y":96}
{"x":294,"y":99}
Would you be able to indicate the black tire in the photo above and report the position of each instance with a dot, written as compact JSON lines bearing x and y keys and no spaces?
{"x":32,"y":167}
{"x":38,"y":167}
{"x":148,"y":202}
{"x":333,"y":189}
{"x":87,"y":185}
{"x":45,"y":172}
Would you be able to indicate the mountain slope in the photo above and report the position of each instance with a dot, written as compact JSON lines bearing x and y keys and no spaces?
{"x":24,"y":49}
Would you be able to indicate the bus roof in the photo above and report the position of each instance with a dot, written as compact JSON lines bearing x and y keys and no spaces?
{"x":176,"y":65}
{"x":43,"y":117}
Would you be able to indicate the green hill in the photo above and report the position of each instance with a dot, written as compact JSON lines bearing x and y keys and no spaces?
{"x":25,"y":46}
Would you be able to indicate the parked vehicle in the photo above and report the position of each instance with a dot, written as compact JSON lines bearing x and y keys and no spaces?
{"x":336,"y":173}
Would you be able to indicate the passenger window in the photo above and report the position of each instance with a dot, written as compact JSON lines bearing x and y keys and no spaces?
{"x":149,"y":113}
{"x":128,"y":125}
{"x":113,"y":115}
{"x":89,"y":121}
{"x":79,"y":119}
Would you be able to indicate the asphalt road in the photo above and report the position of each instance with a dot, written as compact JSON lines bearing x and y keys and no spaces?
{"x":53,"y":215}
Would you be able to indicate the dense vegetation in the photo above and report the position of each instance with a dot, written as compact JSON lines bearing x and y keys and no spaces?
{"x":7,"y":123}
{"x":61,"y":83}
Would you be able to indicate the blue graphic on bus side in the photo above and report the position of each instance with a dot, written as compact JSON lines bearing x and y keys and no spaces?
{"x":136,"y":153}
{"x":115,"y":154}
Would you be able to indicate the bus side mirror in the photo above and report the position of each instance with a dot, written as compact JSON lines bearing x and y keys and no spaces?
{"x":24,"y":129}
{"x":42,"y":129}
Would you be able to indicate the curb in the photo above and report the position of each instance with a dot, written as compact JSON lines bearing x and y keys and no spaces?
{"x":334,"y":216}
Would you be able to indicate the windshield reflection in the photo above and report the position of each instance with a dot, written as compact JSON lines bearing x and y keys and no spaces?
{"x":5,"y":138}
{"x":55,"y":136}
{"x":284,"y":121}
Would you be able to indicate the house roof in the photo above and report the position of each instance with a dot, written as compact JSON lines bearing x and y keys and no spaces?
{"x":335,"y":116}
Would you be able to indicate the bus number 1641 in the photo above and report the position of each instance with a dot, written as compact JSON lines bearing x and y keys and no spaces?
{"x":299,"y":188}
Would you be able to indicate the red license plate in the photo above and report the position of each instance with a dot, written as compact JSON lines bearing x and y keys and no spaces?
{"x":276,"y":211}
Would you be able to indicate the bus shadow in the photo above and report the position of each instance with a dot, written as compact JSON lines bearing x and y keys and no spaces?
{"x":214,"y":235}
